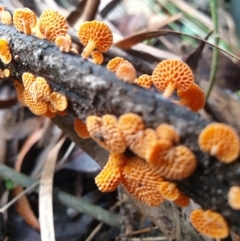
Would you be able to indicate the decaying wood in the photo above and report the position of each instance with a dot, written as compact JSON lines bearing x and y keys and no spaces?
{"x":92,"y":90}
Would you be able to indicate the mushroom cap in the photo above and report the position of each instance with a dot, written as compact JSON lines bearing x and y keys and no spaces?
{"x":169,"y":190}
{"x":182,"y":200}
{"x":144,"y":81}
{"x":49,"y":114}
{"x":58,"y":101}
{"x":5,"y":54}
{"x":130,"y":124}
{"x":167,"y":132}
{"x":97,"y":57}
{"x":19,"y":90}
{"x":209,"y":223}
{"x":174,"y":72}
{"x":113,"y":63}
{"x":97,"y":32}
{"x":64,"y":42}
{"x":234,"y":197}
{"x":27,"y":79}
{"x":141,"y":181}
{"x":126,"y":72}
{"x":106,"y":133}
{"x":52,"y":24}
{"x":24,"y":17}
{"x":81,"y":129}
{"x":6,"y":72}
{"x":220,"y":140}
{"x":6,"y":17}
{"x":51,"y":108}
{"x":193,"y":97}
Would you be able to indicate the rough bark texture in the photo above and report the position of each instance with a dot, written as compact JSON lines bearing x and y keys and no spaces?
{"x":92,"y":89}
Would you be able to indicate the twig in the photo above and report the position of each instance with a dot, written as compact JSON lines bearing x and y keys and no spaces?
{"x":214,"y":66}
{"x":141,"y":231}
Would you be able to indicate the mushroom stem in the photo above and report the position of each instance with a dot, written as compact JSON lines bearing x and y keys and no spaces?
{"x":91,"y":45}
{"x":27,"y":28}
{"x":214,"y":150}
{"x":168,"y":91}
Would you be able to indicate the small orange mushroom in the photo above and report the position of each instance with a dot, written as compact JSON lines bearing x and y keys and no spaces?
{"x":81,"y":129}
{"x":28,"y":79}
{"x":209,"y":223}
{"x":6,"y":72}
{"x":220,"y":140}
{"x":234,"y":197}
{"x":6,"y":17}
{"x":144,"y":81}
{"x":182,"y":200}
{"x":58,"y":101}
{"x":64,"y":43}
{"x":172,"y":74}
{"x":169,"y":190}
{"x":52,"y":24}
{"x":51,"y":108}
{"x":97,"y":57}
{"x":24,"y":19}
{"x":167,"y":132}
{"x":126,"y":72}
{"x":49,"y":114}
{"x":19,"y":90}
{"x":95,"y":35}
{"x":5,"y":54}
{"x":113,"y":63}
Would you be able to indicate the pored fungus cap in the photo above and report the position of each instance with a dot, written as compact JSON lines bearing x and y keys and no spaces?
{"x":58,"y":101}
{"x":28,"y":79}
{"x":169,"y":190}
{"x":6,"y":17}
{"x":106,"y":133}
{"x":167,"y":132}
{"x":172,"y":74}
{"x":126,"y":72}
{"x":130,"y":124}
{"x":24,"y":19}
{"x":95,"y":35}
{"x":51,"y":107}
{"x":64,"y":42}
{"x":234,"y":197}
{"x":209,"y":223}
{"x":81,"y":129}
{"x":5,"y":54}
{"x":141,"y":181}
{"x":182,"y":200}
{"x":113,"y":63}
{"x":49,"y":114}
{"x":6,"y":72}
{"x":193,"y":98}
{"x":97,"y":57}
{"x":19,"y":90}
{"x":144,"y":81}
{"x":220,"y":140}
{"x":52,"y":24}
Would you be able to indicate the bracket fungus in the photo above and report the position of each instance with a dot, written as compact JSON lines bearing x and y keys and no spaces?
{"x":182,"y":200}
{"x":49,"y":114}
{"x":81,"y":129}
{"x":172,"y":74}
{"x":113,"y":63}
{"x":167,"y":132}
{"x":95,"y":35}
{"x":6,"y":17}
{"x":220,"y":140}
{"x":234,"y":197}
{"x":19,"y":90}
{"x":209,"y":223}
{"x":27,"y":79}
{"x":144,"y":81}
{"x":64,"y":42}
{"x":169,"y":190}
{"x":6,"y":73}
{"x":58,"y":101}
{"x":24,"y":19}
{"x":126,"y":72}
{"x":97,"y":57}
{"x":5,"y":54}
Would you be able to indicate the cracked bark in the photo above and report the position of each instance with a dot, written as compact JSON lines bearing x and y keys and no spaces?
{"x":92,"y":90}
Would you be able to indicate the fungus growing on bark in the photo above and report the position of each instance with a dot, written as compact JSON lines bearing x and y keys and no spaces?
{"x":182,"y":200}
{"x":27,"y":79}
{"x":126,"y":72}
{"x":97,"y":57}
{"x":113,"y":63}
{"x":144,"y":81}
{"x":106,"y":133}
{"x":5,"y":54}
{"x":52,"y":24}
{"x":6,"y":72}
{"x":141,"y":181}
{"x":24,"y":19}
{"x":58,"y":101}
{"x":234,"y":197}
{"x":95,"y":35}
{"x":220,"y":140}
{"x":172,"y":74}
{"x":64,"y":42}
{"x":81,"y":129}
{"x":169,"y":190}
{"x":49,"y":114}
{"x":19,"y":90}
{"x":6,"y":17}
{"x":209,"y":223}
{"x":167,"y":132}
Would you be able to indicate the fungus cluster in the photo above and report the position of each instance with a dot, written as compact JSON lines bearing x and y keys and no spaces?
{"x":5,"y":54}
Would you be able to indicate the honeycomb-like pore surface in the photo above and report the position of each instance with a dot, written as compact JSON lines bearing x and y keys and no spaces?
{"x":119,"y":159}
{"x":126,"y":72}
{"x":6,"y":18}
{"x":6,"y":72}
{"x":169,"y":190}
{"x":209,"y":223}
{"x":106,"y":133}
{"x":234,"y":197}
{"x":27,"y":79}
{"x":37,"y":107}
{"x":24,"y":19}
{"x":58,"y":101}
{"x":141,"y":181}
{"x":167,"y":132}
{"x":182,"y":200}
{"x":40,"y":89}
{"x":81,"y":129}
{"x":19,"y":90}
{"x":143,"y":141}
{"x":96,"y":32}
{"x":193,"y":98}
{"x":97,"y":57}
{"x":52,"y":24}
{"x":130,"y":124}
{"x":144,"y":81}
{"x":49,"y":114}
{"x":108,"y":179}
{"x":159,"y":152}
{"x":220,"y":140}
{"x":64,"y":43}
{"x":172,"y":72}
{"x":113,"y":63}
{"x":5,"y":54}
